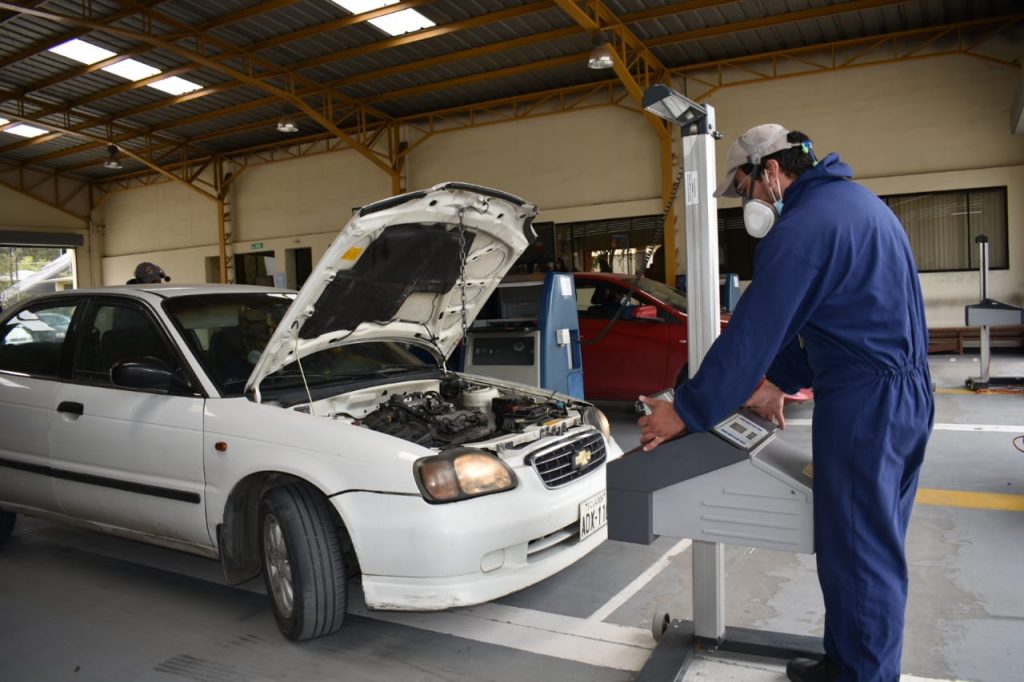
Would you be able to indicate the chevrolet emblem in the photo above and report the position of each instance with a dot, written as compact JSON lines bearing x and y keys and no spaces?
{"x":582,"y":458}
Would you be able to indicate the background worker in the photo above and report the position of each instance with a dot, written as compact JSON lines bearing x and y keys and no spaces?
{"x":148,"y":273}
{"x":835,"y":303}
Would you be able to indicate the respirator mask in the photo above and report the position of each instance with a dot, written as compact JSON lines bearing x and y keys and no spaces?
{"x":759,"y":216}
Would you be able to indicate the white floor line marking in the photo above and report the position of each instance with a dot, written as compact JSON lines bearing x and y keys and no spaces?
{"x":994,"y":428}
{"x":639,"y":582}
{"x":537,"y":632}
{"x":704,"y":664}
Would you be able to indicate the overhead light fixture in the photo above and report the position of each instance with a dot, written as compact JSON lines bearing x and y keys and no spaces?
{"x":286,"y":124}
{"x":113,"y":158}
{"x":601,"y":56}
{"x":666,"y":103}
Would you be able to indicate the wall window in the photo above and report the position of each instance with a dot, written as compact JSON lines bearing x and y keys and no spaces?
{"x":942,"y":227}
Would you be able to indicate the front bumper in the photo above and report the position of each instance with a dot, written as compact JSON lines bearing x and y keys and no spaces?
{"x":417,"y":556}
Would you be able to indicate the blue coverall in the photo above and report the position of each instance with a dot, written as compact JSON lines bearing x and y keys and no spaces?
{"x":835,"y":303}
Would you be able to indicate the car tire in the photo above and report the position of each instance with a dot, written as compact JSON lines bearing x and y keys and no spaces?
{"x":303,"y":566}
{"x":7,"y":520}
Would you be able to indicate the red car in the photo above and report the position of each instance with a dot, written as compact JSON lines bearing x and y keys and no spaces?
{"x":645,"y":349}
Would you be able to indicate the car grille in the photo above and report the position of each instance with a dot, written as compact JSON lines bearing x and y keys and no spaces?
{"x":563,"y":462}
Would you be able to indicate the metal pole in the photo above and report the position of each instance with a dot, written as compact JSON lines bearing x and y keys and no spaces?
{"x":983,"y":334}
{"x":703,"y":326}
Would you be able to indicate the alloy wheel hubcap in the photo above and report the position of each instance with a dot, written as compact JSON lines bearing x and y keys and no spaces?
{"x":277,"y":566}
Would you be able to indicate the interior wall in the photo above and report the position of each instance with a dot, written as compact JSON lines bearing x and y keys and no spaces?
{"x":937,"y":123}
{"x":594,"y":160}
{"x":934,"y":124}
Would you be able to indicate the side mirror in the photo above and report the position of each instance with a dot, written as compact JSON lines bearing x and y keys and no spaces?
{"x":148,"y":373}
{"x":646,"y":312}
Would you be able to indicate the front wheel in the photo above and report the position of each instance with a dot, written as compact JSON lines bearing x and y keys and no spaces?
{"x":303,"y":566}
{"x":6,"y":524}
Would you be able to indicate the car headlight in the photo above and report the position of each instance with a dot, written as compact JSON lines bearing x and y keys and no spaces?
{"x":461,"y":473}
{"x":596,"y":418}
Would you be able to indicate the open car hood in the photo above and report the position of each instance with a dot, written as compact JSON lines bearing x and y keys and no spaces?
{"x":395,"y":273}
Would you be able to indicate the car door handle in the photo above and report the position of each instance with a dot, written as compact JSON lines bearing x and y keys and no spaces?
{"x":71,"y":408}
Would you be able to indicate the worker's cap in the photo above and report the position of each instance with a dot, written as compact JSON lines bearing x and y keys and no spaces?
{"x":751,"y":147}
{"x":150,"y":273}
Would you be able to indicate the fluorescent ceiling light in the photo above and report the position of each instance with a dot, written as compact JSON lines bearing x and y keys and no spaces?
{"x":360,"y":6}
{"x":83,"y":52}
{"x":23,"y":130}
{"x":175,"y":85}
{"x":131,"y":69}
{"x":406,"y":21}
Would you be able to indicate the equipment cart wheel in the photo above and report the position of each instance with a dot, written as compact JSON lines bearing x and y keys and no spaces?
{"x":659,"y":624}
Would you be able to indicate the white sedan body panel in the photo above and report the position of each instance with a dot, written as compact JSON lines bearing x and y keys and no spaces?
{"x":147,"y":451}
{"x":27,"y":405}
{"x":468,"y":552}
{"x":158,"y":445}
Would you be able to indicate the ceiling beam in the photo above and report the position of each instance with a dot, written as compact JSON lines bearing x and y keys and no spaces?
{"x":772,"y":20}
{"x":202,"y":60}
{"x":274,"y":4}
{"x":425,"y":34}
{"x":142,"y":158}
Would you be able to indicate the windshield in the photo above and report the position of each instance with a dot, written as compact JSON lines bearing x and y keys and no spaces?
{"x":228,"y":332}
{"x":664,"y":292}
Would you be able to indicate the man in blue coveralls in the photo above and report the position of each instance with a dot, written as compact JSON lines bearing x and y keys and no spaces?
{"x":835,"y":303}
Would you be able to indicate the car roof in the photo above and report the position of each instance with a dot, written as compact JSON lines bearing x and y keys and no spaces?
{"x":610,"y":276}
{"x":165,"y":290}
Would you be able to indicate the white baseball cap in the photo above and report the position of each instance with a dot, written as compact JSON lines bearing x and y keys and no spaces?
{"x":751,"y":147}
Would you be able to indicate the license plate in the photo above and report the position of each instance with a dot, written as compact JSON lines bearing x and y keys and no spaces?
{"x":593,"y":514}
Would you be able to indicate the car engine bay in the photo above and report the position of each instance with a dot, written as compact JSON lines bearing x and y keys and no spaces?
{"x":459,"y":411}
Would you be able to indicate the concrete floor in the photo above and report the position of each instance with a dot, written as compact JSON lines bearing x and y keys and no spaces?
{"x":82,"y":606}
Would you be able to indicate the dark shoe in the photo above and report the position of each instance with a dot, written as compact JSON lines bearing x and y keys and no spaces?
{"x":810,"y":670}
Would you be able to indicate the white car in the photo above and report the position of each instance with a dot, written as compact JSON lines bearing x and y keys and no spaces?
{"x":314,"y":436}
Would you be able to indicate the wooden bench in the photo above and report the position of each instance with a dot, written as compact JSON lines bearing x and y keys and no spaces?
{"x":955,"y":339}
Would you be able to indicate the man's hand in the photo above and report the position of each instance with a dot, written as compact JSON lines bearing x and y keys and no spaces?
{"x":660,"y":425}
{"x":767,"y":401}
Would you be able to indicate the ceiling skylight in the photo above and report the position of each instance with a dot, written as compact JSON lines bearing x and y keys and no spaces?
{"x":134,"y":70}
{"x":405,"y":21}
{"x":3,"y":121}
{"x":131,"y":69}
{"x":83,"y":52}
{"x":396,"y":23}
{"x":360,"y":6}
{"x":175,"y":85}
{"x":22,"y":130}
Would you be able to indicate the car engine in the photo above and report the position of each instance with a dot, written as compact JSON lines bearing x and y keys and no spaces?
{"x":459,"y":412}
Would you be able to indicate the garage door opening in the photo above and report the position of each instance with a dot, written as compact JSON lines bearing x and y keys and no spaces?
{"x":27,"y":271}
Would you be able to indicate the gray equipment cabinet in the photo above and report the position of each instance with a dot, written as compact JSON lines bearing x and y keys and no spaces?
{"x":739,"y":484}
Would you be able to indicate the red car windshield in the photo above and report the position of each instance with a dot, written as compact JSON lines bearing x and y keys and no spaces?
{"x":663,"y":292}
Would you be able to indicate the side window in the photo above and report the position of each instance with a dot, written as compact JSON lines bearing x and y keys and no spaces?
{"x":117,"y":333}
{"x":32,"y":341}
{"x":599,"y":301}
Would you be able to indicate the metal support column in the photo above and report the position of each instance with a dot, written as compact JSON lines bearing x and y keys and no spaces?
{"x":703,"y":328}
{"x":697,"y":123}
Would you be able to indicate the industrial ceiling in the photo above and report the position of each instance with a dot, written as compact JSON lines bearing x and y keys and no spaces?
{"x":225,"y":78}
